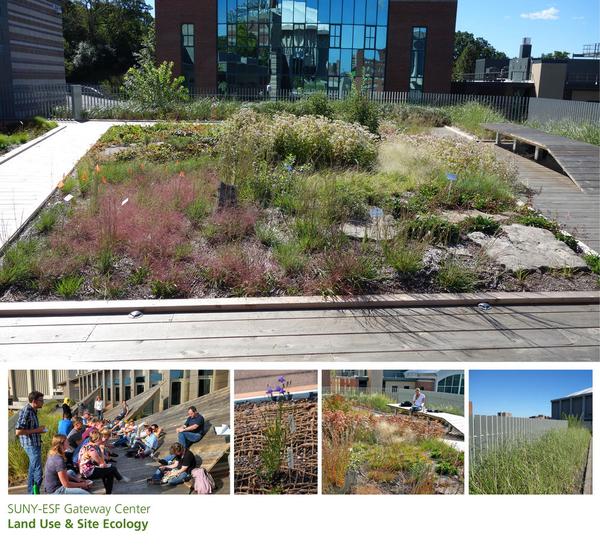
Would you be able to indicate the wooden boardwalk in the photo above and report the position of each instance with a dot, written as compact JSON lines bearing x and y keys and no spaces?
{"x":527,"y":333}
{"x":580,"y":161}
{"x":558,"y":198}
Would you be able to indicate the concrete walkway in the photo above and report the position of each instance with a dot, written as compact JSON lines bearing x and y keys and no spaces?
{"x":453,"y":420}
{"x":27,"y":179}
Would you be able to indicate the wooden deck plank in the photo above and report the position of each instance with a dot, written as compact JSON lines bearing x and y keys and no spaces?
{"x":289,"y":315}
{"x":274,"y":327}
{"x":293,"y":345}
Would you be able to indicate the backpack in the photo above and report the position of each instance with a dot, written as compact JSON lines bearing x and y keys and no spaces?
{"x":204,"y":484}
{"x":406,"y":404}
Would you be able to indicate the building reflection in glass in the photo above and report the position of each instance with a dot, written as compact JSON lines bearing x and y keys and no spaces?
{"x":295,"y":45}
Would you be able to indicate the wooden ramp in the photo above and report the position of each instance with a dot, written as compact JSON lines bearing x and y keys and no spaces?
{"x":453,"y":421}
{"x":559,"y":199}
{"x":580,"y":161}
{"x":136,"y":404}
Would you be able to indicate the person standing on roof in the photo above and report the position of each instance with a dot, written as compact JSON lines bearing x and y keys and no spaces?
{"x":99,"y":407}
{"x":192,"y":430}
{"x":418,"y":402}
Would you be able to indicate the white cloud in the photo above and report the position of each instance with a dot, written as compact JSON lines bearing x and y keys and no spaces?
{"x":547,"y":14}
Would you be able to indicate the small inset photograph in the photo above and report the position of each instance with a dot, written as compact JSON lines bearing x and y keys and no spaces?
{"x":393,"y":432}
{"x":530,"y":432}
{"x":118,"y":431}
{"x":276,"y":432}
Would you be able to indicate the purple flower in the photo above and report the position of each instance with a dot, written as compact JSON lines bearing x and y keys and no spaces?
{"x":279,"y":389}
{"x":269,"y":390}
{"x":281,"y":380}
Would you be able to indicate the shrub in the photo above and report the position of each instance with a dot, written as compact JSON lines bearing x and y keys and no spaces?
{"x":19,"y":265}
{"x":404,"y":256}
{"x":48,"y":218}
{"x":357,"y":107}
{"x":433,"y":229}
{"x":249,"y":137}
{"x":593,"y":262}
{"x":416,"y":116}
{"x":67,"y":287}
{"x":231,"y":224}
{"x":164,"y":289}
{"x":456,"y":277}
{"x":290,"y":257}
{"x":346,"y":273}
{"x":482,"y":224}
{"x":154,"y":87}
{"x":471,"y":115}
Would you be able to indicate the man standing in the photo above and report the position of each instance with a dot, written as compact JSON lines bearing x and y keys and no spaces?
{"x":418,"y":401}
{"x":30,"y":433}
{"x":192,"y":430}
{"x":99,"y":407}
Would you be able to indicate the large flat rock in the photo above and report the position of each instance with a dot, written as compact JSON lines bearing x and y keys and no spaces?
{"x":523,"y":247}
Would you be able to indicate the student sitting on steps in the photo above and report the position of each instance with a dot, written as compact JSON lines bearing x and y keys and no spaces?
{"x":178,"y":470}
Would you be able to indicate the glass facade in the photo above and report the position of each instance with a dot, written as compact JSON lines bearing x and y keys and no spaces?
{"x":452,"y":384}
{"x":417,"y":59}
{"x":293,"y":45}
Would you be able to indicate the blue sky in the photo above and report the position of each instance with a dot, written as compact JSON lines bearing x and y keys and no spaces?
{"x":523,"y":392}
{"x":559,"y":25}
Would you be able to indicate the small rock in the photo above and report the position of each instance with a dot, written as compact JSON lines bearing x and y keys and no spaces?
{"x":113,"y":151}
{"x":458,"y":216}
{"x":378,"y":229}
{"x":529,"y":248}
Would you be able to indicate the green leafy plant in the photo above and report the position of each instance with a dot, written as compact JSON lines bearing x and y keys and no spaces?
{"x":154,"y":87}
{"x":69,"y":286}
{"x":454,"y":276}
{"x":433,"y":229}
{"x":482,"y":224}
{"x":164,"y":289}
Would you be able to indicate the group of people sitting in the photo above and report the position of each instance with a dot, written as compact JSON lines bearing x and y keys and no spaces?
{"x":83,"y":449}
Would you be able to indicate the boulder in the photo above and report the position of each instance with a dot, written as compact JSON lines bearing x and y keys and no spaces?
{"x":530,"y":248}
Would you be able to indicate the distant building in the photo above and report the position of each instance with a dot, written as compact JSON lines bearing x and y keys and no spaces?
{"x":31,"y":54}
{"x":177,"y":386}
{"x":573,"y":79}
{"x":390,"y":381}
{"x":507,"y":414}
{"x":578,"y":404}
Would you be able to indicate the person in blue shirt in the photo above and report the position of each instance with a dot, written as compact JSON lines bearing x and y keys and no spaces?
{"x":65,"y":425}
{"x":29,"y":432}
{"x":192,"y":430}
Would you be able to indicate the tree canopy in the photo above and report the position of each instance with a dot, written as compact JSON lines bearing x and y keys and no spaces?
{"x":556,"y":55}
{"x":468,"y":48}
{"x":102,"y":37}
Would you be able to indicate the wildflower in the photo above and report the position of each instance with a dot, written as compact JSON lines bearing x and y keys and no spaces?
{"x":269,"y":390}
{"x":281,"y":380}
{"x":97,"y":169}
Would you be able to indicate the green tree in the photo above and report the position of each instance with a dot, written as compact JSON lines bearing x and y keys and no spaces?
{"x":556,"y":55}
{"x":154,"y":87}
{"x":468,"y":49}
{"x":102,"y":37}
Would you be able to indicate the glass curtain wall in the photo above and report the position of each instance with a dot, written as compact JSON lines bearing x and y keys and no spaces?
{"x":296,"y":45}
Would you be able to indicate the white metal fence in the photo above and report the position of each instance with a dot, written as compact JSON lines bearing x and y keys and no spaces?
{"x":543,"y":110}
{"x":433,"y":400}
{"x":487,"y":433}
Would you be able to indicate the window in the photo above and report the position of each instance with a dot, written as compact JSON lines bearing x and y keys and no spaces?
{"x":370,"y":38}
{"x":417,"y":59}
{"x":394,"y":389}
{"x":188,"y":53}
{"x":452,"y":384}
{"x":335,"y":34}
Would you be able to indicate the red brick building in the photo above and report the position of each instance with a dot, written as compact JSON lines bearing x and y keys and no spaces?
{"x":288,"y":45}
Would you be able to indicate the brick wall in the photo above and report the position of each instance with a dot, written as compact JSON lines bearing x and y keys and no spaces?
{"x":439,"y":16}
{"x":170,"y":15}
